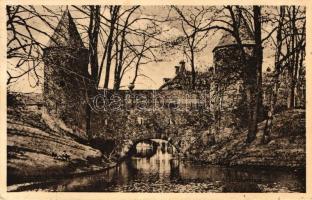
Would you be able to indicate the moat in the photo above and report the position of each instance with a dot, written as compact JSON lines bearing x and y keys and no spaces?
{"x":154,"y":167}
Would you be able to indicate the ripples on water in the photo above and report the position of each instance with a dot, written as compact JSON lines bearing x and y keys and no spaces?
{"x":155,"y":168}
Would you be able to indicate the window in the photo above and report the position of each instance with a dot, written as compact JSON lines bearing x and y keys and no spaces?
{"x":140,"y":120}
{"x":170,"y":121}
{"x":61,"y":83}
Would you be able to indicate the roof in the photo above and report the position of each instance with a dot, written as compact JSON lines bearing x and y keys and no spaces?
{"x":66,"y":33}
{"x":183,"y":81}
{"x":245,"y":33}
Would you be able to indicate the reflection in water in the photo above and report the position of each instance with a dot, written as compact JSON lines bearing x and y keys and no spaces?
{"x":161,"y":162}
{"x":155,"y":168}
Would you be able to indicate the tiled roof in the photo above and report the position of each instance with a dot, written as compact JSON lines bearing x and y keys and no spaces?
{"x":183,"y":81}
{"x":66,"y":33}
{"x":245,"y":33}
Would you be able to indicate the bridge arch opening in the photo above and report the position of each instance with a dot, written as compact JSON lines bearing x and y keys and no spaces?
{"x":149,"y":147}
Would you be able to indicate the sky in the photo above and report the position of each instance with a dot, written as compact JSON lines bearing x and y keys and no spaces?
{"x":155,"y":71}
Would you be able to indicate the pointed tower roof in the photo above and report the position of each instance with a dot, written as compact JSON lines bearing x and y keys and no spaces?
{"x":245,"y":34}
{"x":66,"y":33}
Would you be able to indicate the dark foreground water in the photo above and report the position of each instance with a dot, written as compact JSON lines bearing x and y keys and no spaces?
{"x":156,"y":169}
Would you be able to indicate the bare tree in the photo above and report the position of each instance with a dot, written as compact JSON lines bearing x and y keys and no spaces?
{"x":23,"y":47}
{"x":93,"y":33}
{"x":193,"y":21}
{"x":121,"y":49}
{"x":135,"y":46}
{"x":236,"y":19}
{"x":144,"y":51}
{"x":289,"y":47}
{"x":114,"y":10}
{"x":295,"y":45}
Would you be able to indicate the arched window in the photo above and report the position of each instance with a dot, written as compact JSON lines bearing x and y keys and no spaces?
{"x":140,"y":120}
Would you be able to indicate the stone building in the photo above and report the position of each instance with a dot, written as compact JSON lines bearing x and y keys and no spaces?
{"x":224,"y":82}
{"x":67,"y":86}
{"x":66,"y":74}
{"x":183,"y":80}
{"x":227,"y":96}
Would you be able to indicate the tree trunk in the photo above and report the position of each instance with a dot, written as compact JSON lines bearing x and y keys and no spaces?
{"x":274,"y":91}
{"x":88,"y":121}
{"x":114,"y":15}
{"x":251,"y":110}
{"x":249,"y":74}
{"x":93,"y":33}
{"x":193,"y":69}
{"x":291,"y":91}
{"x":108,"y":59}
{"x":120,"y":58}
{"x":255,"y":78}
{"x":117,"y":61}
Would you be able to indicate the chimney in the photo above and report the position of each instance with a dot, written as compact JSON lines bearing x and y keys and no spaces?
{"x":182,"y":68}
{"x":211,"y":69}
{"x":177,"y":68}
{"x":166,"y":80}
{"x":131,"y":86}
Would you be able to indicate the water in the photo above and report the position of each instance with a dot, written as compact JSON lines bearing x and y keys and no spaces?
{"x":158,"y":169}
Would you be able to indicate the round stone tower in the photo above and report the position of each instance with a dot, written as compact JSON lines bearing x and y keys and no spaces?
{"x":230,"y":77}
{"x":66,"y":74}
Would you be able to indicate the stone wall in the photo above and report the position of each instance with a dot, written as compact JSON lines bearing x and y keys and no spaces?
{"x":65,"y":84}
{"x":149,"y":114}
{"x":120,"y":116}
{"x":229,"y":101}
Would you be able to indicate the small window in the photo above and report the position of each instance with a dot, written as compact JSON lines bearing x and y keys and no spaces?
{"x":62,"y":83}
{"x":170,"y":121}
{"x":140,"y":120}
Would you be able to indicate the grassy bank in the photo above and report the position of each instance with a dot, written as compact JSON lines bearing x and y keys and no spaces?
{"x":286,"y":147}
{"x":35,"y":151}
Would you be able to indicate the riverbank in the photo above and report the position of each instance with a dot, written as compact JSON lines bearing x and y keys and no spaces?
{"x":36,"y":152}
{"x":286,"y":148}
{"x":41,"y":148}
{"x":164,"y":173}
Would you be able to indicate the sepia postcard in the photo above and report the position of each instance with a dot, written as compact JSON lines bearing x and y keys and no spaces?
{"x":150,"y":100}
